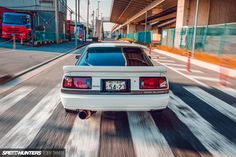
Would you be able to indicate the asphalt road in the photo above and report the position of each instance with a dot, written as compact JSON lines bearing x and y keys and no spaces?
{"x":15,"y":61}
{"x":199,"y":121}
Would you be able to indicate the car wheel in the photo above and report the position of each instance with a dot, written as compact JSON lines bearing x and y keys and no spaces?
{"x":114,"y":115}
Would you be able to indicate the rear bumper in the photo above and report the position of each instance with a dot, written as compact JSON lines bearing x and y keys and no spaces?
{"x":144,"y":102}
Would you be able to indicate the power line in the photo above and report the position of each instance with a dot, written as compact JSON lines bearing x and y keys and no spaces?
{"x":61,"y":2}
{"x":70,"y":10}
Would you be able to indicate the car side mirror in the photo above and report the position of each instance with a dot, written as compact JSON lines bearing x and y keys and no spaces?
{"x":78,"y":56}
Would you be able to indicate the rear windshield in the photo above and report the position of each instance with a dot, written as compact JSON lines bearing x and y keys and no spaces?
{"x":115,"y":56}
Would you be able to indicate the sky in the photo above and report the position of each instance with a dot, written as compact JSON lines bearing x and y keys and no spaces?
{"x":105,"y":10}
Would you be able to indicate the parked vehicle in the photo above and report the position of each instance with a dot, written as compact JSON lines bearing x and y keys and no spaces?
{"x":3,"y":10}
{"x":16,"y":24}
{"x":37,"y":27}
{"x":114,"y":77}
{"x":71,"y":30}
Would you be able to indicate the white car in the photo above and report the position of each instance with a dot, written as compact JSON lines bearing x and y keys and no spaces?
{"x":114,"y":77}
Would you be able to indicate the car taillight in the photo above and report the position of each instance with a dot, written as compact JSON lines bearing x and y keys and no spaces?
{"x":77,"y":82}
{"x":153,"y":83}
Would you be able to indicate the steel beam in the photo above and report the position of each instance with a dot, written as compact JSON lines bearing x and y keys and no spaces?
{"x":149,"y":7}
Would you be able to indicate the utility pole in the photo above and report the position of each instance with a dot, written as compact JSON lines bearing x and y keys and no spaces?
{"x":56,"y":21}
{"x":78,"y":10}
{"x":96,"y":25}
{"x":87,"y":18}
{"x":69,"y":35}
{"x":98,"y":9}
{"x":93,"y":20}
{"x":101,"y":29}
{"x":76,"y":29}
{"x":71,"y":15}
{"x":195,"y":28}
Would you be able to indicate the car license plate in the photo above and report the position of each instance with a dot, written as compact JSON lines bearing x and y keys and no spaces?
{"x":115,"y":85}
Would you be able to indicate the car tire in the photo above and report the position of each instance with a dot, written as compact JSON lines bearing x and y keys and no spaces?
{"x":158,"y":113}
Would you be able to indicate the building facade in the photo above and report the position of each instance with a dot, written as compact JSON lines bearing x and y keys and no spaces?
{"x":43,"y":12}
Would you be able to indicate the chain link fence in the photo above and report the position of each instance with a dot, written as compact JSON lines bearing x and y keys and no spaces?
{"x":216,"y":39}
{"x":48,"y":36}
{"x":142,"y":37}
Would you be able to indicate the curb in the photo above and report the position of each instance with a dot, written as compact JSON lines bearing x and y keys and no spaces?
{"x":7,"y":78}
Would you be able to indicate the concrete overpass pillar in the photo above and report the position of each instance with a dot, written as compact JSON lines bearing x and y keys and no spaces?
{"x":182,"y":10}
{"x":140,"y":28}
{"x":131,"y":28}
{"x":121,"y":31}
{"x":186,"y":10}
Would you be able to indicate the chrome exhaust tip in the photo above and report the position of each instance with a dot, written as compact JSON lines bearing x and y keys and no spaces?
{"x":85,"y":114}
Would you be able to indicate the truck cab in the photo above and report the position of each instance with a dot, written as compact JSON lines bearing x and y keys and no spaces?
{"x":16,"y":24}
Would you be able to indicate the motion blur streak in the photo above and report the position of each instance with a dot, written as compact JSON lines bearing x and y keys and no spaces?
{"x":216,"y":143}
{"x":11,"y":99}
{"x":147,"y":138}
{"x":24,"y":131}
{"x":216,"y":103}
{"x":84,"y":137}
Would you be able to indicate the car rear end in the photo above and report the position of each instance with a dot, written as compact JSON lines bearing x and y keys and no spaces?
{"x":114,"y":89}
{"x":114,"y":79}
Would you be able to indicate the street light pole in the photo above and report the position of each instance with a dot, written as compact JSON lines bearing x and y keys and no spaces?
{"x":145,"y":35}
{"x":88,"y":18}
{"x":76,"y":29}
{"x":195,"y":28}
{"x":56,"y":21}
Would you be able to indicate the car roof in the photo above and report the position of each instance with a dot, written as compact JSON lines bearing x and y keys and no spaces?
{"x":114,"y":45}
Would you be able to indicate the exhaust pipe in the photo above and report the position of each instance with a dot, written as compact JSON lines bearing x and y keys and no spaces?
{"x":85,"y":114}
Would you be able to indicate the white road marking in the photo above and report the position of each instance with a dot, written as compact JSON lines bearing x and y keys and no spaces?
{"x":23,"y":133}
{"x":175,"y":65}
{"x":12,"y":98}
{"x":211,"y":79}
{"x":214,"y":142}
{"x":214,"y":102}
{"x":191,"y":70}
{"x":147,"y":139}
{"x":85,"y":137}
{"x":168,"y":61}
{"x":202,"y":64}
{"x":162,"y":57}
{"x":227,"y":90}
{"x":186,"y":76}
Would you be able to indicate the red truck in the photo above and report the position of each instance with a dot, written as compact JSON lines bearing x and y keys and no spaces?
{"x":3,"y":10}
{"x":70,"y":29}
{"x":16,"y":24}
